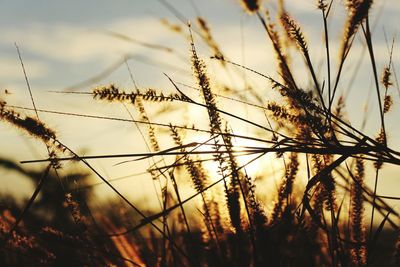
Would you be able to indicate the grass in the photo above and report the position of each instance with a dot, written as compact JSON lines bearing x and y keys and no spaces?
{"x":321,"y":212}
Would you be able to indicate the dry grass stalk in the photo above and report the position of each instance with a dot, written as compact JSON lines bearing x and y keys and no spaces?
{"x":283,"y":63}
{"x":286,"y":188}
{"x":150,"y":130}
{"x":199,"y":179}
{"x":295,"y":34}
{"x":30,"y":125}
{"x":173,"y":27}
{"x":215,"y":127}
{"x":113,"y":93}
{"x":359,"y":252}
{"x":357,"y":11}
{"x":209,"y":39}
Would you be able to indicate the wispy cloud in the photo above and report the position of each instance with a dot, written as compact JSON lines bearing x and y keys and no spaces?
{"x":72,"y":43}
{"x":10,"y":68}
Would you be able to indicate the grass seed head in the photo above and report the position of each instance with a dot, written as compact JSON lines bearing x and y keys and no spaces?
{"x":321,"y":4}
{"x":251,"y":6}
{"x":386,"y":77}
{"x":388,"y":102}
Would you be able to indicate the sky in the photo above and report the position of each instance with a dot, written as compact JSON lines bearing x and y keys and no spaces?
{"x":64,"y":43}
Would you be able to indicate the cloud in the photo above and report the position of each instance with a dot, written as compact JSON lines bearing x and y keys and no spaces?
{"x":10,"y":68}
{"x":73,"y":43}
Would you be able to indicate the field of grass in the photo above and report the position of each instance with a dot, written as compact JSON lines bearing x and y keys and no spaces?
{"x":232,"y":166}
